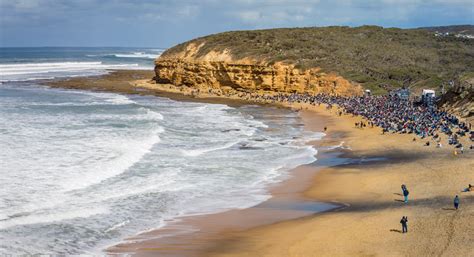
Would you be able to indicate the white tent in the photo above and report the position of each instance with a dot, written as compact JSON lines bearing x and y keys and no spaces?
{"x":428,"y":93}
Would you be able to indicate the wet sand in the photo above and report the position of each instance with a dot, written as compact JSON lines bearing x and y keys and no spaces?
{"x":366,"y":179}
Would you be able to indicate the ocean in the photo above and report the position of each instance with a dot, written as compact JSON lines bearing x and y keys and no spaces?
{"x":83,"y":170}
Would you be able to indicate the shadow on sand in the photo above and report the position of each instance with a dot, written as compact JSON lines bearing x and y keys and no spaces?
{"x":448,"y":209}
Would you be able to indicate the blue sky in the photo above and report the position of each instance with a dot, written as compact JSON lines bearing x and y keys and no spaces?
{"x":163,"y":23}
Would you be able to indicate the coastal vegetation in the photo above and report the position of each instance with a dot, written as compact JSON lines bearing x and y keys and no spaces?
{"x":378,"y":58}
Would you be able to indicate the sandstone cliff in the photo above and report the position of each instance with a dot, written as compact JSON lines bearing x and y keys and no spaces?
{"x":460,"y":98}
{"x":335,"y":60}
{"x":380,"y":59}
{"x":220,"y":71}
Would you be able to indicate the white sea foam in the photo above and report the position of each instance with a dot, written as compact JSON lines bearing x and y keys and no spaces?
{"x":120,"y":100}
{"x":41,"y":218}
{"x":133,"y":152}
{"x":135,"y":157}
{"x":339,"y":146}
{"x":153,"y":115}
{"x":201,"y":151}
{"x":34,"y":68}
{"x":138,"y":55}
{"x":142,"y":55}
{"x":118,"y":225}
{"x":48,"y":70}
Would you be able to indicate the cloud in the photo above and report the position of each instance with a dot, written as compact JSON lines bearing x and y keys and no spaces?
{"x":273,"y":12}
{"x":266,"y":13}
{"x":116,"y":22}
{"x":249,"y":16}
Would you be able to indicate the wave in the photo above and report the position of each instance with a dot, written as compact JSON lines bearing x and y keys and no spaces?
{"x":141,"y":55}
{"x":49,"y":70}
{"x":309,"y":137}
{"x":33,"y":68}
{"x":118,"y":225}
{"x":339,"y":146}
{"x":153,"y":115}
{"x":120,"y":100}
{"x":306,"y":157}
{"x":50,"y":217}
{"x":135,"y":152}
{"x":138,"y":55}
{"x":105,"y":99}
{"x":198,"y":152}
{"x":135,"y":176}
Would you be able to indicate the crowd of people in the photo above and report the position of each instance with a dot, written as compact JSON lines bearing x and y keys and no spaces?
{"x":390,"y":112}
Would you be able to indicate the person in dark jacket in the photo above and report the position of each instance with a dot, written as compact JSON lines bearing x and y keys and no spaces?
{"x":405,"y":193}
{"x":456,"y":202}
{"x":404,"y":222}
{"x":403,"y":188}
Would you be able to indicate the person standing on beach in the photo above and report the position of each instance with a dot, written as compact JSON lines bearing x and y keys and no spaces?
{"x":456,"y":202}
{"x":405,"y":195}
{"x":404,"y":191}
{"x":404,"y":222}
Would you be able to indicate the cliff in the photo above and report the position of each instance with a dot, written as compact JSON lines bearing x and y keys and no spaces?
{"x":460,"y":98}
{"x":226,"y":76}
{"x":334,"y":60}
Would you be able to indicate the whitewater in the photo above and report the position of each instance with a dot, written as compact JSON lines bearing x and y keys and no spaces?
{"x":83,"y":170}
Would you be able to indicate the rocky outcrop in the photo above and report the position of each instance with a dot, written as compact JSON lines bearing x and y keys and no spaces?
{"x":460,"y":98}
{"x":219,"y":71}
{"x":250,"y":77}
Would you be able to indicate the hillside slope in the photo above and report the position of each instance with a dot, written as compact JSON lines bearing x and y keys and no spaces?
{"x":377,"y":58}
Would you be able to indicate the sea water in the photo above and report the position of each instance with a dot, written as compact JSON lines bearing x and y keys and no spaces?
{"x":82,"y":170}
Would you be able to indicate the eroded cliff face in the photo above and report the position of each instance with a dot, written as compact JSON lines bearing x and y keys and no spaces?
{"x":460,"y":99}
{"x":218,"y":70}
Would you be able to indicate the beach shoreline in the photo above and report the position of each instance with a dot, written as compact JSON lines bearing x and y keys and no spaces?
{"x":367,"y":180}
{"x":287,"y":201}
{"x":192,"y":235}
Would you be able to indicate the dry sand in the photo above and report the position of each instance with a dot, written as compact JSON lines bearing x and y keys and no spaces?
{"x":370,"y":187}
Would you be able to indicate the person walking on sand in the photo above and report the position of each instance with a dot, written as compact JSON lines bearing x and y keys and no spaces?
{"x":403,"y":188}
{"x":456,"y":202}
{"x":404,"y":222}
{"x":405,"y":195}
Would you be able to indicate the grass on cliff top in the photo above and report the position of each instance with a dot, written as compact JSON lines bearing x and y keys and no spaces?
{"x":378,"y":58}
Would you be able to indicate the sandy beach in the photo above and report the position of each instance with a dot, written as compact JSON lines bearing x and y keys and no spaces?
{"x":366,"y":181}
{"x":370,"y":226}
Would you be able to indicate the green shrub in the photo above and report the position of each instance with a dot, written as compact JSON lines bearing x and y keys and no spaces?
{"x":369,"y":55}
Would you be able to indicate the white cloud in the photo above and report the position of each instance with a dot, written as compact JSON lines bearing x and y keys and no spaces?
{"x":340,"y":12}
{"x":277,"y":12}
{"x":183,"y":19}
{"x":188,"y":11}
{"x":249,"y":16}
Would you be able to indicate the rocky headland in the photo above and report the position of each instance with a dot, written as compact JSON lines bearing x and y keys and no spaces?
{"x":222,"y":72}
{"x":331,"y":60}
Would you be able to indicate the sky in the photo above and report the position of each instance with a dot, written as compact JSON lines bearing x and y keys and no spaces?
{"x":164,"y":23}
